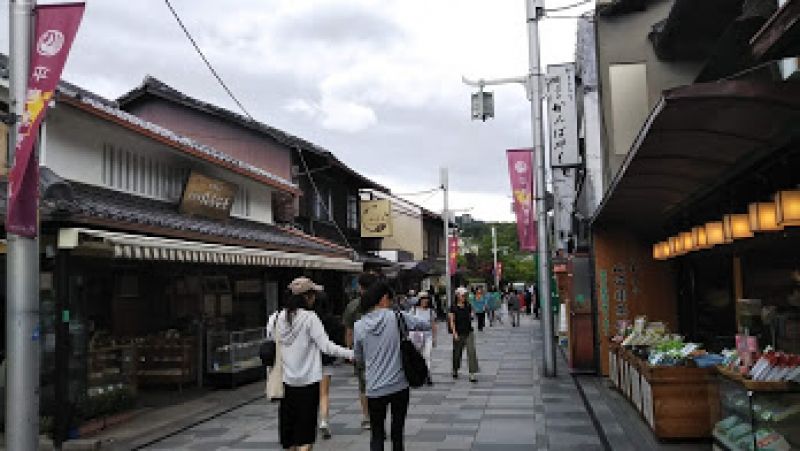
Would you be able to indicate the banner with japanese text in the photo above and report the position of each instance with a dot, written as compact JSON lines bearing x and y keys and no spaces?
{"x":498,"y":270}
{"x":520,"y":170}
{"x":54,"y":31}
{"x":452,"y":253}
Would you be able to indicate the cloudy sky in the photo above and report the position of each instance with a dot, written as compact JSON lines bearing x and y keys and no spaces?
{"x":377,"y":82}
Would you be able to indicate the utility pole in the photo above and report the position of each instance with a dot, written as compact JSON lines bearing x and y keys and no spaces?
{"x":443,"y":178}
{"x":535,"y":11}
{"x":494,"y":253}
{"x":533,"y":82}
{"x":22,"y":265}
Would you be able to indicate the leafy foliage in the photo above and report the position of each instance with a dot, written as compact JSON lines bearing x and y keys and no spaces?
{"x":517,"y":266}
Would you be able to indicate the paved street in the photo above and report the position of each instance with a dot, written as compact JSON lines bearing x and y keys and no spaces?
{"x":510,"y":408}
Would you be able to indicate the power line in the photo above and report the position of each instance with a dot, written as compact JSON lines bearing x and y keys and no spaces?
{"x":205,"y":60}
{"x":562,"y":8}
{"x":247,"y":113}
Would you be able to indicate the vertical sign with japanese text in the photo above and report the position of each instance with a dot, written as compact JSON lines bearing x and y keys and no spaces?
{"x":55,"y":28}
{"x":562,"y":116}
{"x":520,"y":169}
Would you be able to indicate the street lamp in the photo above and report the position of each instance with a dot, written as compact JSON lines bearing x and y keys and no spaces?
{"x":534,"y":12}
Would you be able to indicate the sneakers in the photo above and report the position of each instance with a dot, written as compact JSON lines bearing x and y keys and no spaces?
{"x":324,"y":430}
{"x":473,"y":378}
{"x":365,"y":424}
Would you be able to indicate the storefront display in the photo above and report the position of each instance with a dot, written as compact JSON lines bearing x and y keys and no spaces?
{"x":757,"y":415}
{"x":233,"y":357}
{"x":668,"y":381}
{"x":166,"y":359}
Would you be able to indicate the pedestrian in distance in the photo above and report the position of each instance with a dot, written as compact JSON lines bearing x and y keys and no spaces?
{"x":529,"y":301}
{"x":480,"y":304}
{"x":333,"y":328}
{"x":460,"y":318}
{"x":377,"y":346}
{"x":302,"y":338}
{"x":352,"y":313}
{"x":423,"y":311}
{"x":513,"y":308}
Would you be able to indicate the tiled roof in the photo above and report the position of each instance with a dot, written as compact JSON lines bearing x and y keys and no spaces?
{"x":97,"y":104}
{"x":94,"y":203}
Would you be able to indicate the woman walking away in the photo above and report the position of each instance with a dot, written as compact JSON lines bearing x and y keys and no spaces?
{"x":333,"y":329}
{"x":461,"y":325}
{"x":301,"y":337}
{"x":377,"y":346}
{"x":424,"y":313}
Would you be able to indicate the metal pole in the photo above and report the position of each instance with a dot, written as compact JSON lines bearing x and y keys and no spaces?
{"x":494,"y":253}
{"x":22,"y":263}
{"x":535,"y":10}
{"x":443,"y":176}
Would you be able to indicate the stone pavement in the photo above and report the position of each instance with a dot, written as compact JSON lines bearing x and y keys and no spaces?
{"x":511,"y":407}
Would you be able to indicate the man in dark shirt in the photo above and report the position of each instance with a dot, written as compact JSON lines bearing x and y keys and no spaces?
{"x":461,"y":324}
{"x":352,"y":313}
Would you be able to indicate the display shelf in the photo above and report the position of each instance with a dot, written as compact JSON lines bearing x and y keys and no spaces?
{"x":110,"y":366}
{"x":166,"y":361}
{"x":757,"y":417}
{"x":677,"y":402}
{"x":233,"y":356}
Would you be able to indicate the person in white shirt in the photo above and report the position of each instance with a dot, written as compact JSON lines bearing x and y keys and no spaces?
{"x":301,"y":337}
{"x":425,"y":339}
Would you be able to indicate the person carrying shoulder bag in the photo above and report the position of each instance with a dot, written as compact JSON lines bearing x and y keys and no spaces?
{"x":377,"y":346}
{"x":301,"y":339}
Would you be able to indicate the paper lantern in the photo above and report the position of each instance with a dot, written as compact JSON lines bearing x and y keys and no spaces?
{"x":714,"y":233}
{"x":787,"y":205}
{"x":675,"y":245}
{"x":763,"y":217}
{"x":658,"y":252}
{"x":665,"y":249}
{"x":736,"y":226}
{"x":700,"y":237}
{"x":688,"y":241}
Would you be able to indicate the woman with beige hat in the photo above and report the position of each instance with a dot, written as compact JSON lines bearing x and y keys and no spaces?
{"x":301,"y":337}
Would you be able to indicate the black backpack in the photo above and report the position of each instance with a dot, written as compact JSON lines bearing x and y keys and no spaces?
{"x":414,"y":366}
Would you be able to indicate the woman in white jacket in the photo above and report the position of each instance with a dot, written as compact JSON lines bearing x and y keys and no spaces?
{"x":301,"y":338}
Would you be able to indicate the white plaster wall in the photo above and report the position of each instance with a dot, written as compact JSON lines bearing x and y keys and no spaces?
{"x":74,"y":143}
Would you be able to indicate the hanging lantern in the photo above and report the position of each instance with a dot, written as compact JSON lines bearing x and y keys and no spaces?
{"x":675,"y":246}
{"x":658,"y":251}
{"x":665,"y":249}
{"x":736,"y":227}
{"x":700,"y":238}
{"x":714,"y":233}
{"x":688,"y":241}
{"x":787,"y":205}
{"x":763,"y":217}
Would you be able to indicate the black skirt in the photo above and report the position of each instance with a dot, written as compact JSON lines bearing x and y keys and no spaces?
{"x":297,"y":415}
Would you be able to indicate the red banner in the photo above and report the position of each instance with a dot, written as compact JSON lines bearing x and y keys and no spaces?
{"x":452,"y":253}
{"x":55,"y":28}
{"x":521,"y":171}
{"x":499,"y":270}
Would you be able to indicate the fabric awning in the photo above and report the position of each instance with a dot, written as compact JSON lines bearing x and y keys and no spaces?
{"x":143,"y":247}
{"x":697,"y":138}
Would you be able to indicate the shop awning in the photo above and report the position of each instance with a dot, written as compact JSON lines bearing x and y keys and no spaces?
{"x":143,"y":247}
{"x":697,"y":138}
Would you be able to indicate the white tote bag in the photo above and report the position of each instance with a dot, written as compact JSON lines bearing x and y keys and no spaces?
{"x":274,"y":389}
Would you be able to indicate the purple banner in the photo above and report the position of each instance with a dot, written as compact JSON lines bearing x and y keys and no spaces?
{"x":55,"y":28}
{"x":521,"y":171}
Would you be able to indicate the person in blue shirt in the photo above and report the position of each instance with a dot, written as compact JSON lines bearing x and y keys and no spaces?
{"x":480,"y":305}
